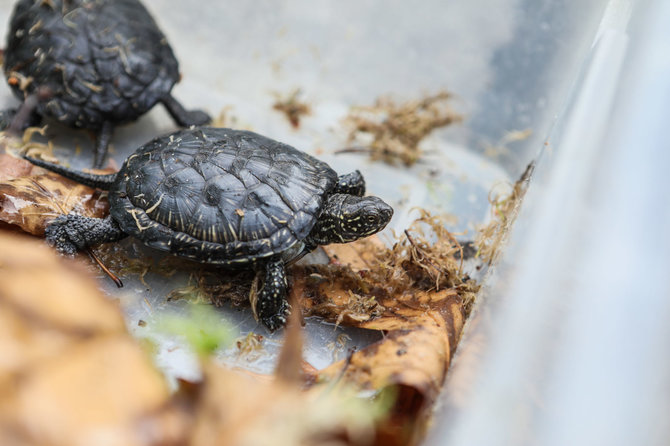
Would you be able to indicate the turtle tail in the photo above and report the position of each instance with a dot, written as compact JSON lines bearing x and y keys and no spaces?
{"x":103,"y":182}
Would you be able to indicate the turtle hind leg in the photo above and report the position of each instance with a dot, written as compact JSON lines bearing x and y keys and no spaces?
{"x":16,"y":120}
{"x":183,"y":117}
{"x":102,"y":141}
{"x":352,"y":183}
{"x":71,"y":233}
{"x":272,"y":306}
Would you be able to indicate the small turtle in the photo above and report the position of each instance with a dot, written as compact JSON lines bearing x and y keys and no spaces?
{"x":226,"y":197}
{"x":91,"y":64}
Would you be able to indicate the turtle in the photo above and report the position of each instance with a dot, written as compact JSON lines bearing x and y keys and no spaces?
{"x":91,"y":64}
{"x":226,"y":197}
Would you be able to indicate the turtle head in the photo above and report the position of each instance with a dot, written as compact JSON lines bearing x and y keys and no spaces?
{"x":346,"y":218}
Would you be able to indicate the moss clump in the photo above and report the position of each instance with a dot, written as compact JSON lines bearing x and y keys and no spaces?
{"x":394,"y":131}
{"x":504,"y":209}
{"x":423,"y":262}
{"x":292,"y":107}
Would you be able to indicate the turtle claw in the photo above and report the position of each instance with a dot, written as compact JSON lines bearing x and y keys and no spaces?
{"x":277,"y":320}
{"x":61,"y":235}
{"x":272,"y":307}
{"x":197,"y":118}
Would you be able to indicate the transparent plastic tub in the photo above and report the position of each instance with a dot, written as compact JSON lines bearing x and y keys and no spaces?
{"x":512,"y":65}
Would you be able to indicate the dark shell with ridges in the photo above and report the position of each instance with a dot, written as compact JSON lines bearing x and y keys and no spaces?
{"x":102,"y":60}
{"x":220,"y":195}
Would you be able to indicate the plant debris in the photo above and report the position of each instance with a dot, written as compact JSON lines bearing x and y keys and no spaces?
{"x":216,"y":287}
{"x":250,"y":345}
{"x":338,"y":346}
{"x":500,"y":147}
{"x":133,"y":261}
{"x":225,"y":118}
{"x":28,"y":144}
{"x":31,"y":202}
{"x":292,"y":107}
{"x":422,"y":261}
{"x":504,"y":209}
{"x":202,"y":328}
{"x":393,"y":132}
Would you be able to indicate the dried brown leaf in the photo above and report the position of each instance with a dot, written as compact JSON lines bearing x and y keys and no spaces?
{"x":12,"y":167}
{"x":31,"y":201}
{"x":69,"y":371}
{"x":245,"y":409}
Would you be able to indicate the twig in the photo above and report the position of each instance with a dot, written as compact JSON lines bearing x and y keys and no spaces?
{"x":106,"y":270}
{"x":353,"y":150}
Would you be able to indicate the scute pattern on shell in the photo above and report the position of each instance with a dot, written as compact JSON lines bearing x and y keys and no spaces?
{"x":249,"y":194}
{"x":103,"y":60}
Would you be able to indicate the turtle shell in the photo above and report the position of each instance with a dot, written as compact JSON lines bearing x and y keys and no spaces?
{"x":102,"y":60}
{"x":221,"y":196}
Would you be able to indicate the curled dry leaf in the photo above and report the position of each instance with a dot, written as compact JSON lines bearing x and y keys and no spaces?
{"x":70,"y":373}
{"x":245,"y":410}
{"x":31,"y":197}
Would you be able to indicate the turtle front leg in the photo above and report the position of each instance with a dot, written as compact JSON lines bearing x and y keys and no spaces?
{"x":183,"y":117}
{"x":352,"y":184}
{"x":272,"y":306}
{"x":71,"y":233}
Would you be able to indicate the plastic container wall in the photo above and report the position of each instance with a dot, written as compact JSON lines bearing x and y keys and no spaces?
{"x":571,"y":345}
